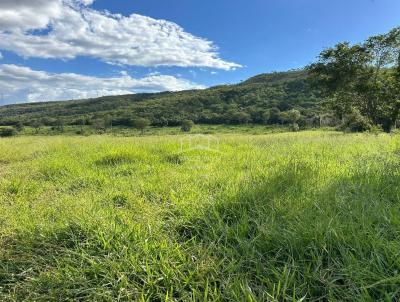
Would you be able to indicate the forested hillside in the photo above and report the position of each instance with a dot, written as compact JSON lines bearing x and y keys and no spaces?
{"x":266,"y":98}
{"x":359,"y":86}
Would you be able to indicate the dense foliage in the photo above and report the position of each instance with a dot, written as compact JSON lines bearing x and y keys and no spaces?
{"x":7,"y":132}
{"x":264,"y":99}
{"x":362,"y":79}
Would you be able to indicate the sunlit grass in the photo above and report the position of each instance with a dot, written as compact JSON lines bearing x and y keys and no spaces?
{"x":278,"y":217}
{"x":162,"y":131}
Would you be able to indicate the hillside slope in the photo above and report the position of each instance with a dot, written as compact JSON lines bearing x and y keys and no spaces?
{"x":249,"y":101}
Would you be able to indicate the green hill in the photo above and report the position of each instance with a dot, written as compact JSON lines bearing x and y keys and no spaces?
{"x":248,"y":102}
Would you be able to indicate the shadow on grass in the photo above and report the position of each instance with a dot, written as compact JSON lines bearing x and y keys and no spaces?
{"x":78,"y":262}
{"x":283,"y":238}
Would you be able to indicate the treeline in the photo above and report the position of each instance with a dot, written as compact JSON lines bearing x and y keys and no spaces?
{"x":265,"y":99}
{"x":351,"y":87}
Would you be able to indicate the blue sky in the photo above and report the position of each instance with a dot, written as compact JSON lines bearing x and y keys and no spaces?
{"x":62,"y":49}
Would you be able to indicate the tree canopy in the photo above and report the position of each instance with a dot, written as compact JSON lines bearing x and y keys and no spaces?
{"x":362,"y":77}
{"x":247,"y":102}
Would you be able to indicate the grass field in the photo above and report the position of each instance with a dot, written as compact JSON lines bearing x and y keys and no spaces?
{"x":312,"y":216}
{"x":252,"y":129}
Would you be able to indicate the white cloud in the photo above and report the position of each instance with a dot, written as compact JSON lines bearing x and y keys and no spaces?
{"x":17,"y":15}
{"x":20,"y":84}
{"x":69,"y":28}
{"x":85,"y":2}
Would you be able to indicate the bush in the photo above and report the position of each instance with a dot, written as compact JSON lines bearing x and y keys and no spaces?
{"x":273,"y":116}
{"x":141,"y":124}
{"x":19,"y":126}
{"x":376,"y":129}
{"x":187,"y":125}
{"x":355,"y":122}
{"x":395,"y":131}
{"x":7,"y":132}
{"x":294,"y":127}
{"x":99,"y":125}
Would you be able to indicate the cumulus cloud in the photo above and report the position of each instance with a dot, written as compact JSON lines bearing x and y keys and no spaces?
{"x":85,"y":2}
{"x":70,"y":28}
{"x":22,"y":84}
{"x":17,"y":15}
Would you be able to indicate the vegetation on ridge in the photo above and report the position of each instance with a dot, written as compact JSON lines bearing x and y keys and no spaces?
{"x":355,"y":87}
{"x":264,"y":99}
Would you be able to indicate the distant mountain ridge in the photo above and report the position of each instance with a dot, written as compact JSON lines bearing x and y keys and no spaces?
{"x":247,"y":102}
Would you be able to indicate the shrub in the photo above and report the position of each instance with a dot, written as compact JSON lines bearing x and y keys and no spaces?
{"x":37,"y":125}
{"x":294,"y":115}
{"x":273,"y":116}
{"x":99,"y":125}
{"x":19,"y":126}
{"x":376,"y":129}
{"x":294,"y":127}
{"x":187,"y":125}
{"x":141,"y":124}
{"x":355,"y":122}
{"x":7,"y":132}
{"x":395,"y":131}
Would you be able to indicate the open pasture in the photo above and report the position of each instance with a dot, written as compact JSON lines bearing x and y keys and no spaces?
{"x":279,"y":217}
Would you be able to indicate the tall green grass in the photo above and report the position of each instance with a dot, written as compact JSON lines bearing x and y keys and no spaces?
{"x":312,"y":216}
{"x":155,"y":131}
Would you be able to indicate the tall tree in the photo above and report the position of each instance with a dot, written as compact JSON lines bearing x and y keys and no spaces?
{"x":141,"y":124}
{"x":364,"y":77}
{"x":294,"y":116}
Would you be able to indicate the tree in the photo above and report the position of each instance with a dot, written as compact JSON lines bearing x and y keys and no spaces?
{"x":162,"y":121}
{"x":284,"y":105}
{"x":37,"y":125}
{"x":60,"y":125}
{"x":265,"y":117}
{"x":98,"y":124}
{"x":355,"y":122}
{"x":242,"y":117}
{"x":141,"y":124}
{"x":187,"y":125}
{"x":274,"y":116}
{"x":233,"y":116}
{"x":363,"y":77}
{"x":108,"y":121}
{"x":294,"y":116}
{"x":19,"y":126}
{"x":294,"y":127}
{"x":7,"y":132}
{"x":81,"y":123}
